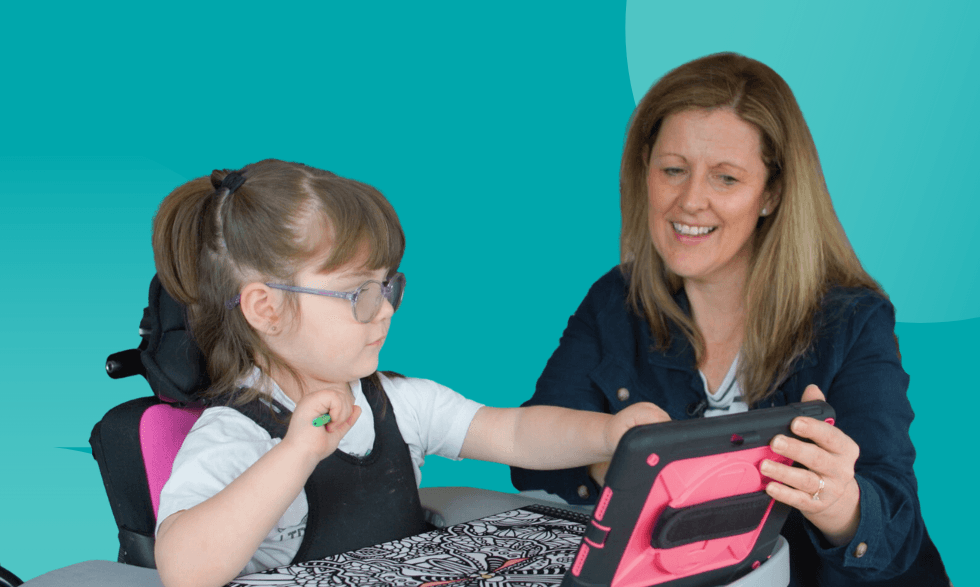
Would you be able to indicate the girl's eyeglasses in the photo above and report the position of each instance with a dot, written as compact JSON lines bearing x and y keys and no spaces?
{"x":365,"y":301}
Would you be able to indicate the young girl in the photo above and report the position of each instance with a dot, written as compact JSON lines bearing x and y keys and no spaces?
{"x":290,"y":278}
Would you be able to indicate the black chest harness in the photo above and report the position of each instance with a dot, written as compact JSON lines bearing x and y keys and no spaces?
{"x":355,"y":502}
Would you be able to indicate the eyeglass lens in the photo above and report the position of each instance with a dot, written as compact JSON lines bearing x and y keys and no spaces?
{"x":371,"y":295}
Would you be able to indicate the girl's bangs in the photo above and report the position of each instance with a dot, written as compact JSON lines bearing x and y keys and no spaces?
{"x":355,"y":215}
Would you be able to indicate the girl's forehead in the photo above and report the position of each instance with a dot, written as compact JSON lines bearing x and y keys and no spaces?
{"x":351,"y":272}
{"x":318,"y":263}
{"x":353,"y":269}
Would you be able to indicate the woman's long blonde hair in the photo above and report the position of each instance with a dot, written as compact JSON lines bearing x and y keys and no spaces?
{"x":800,"y":249}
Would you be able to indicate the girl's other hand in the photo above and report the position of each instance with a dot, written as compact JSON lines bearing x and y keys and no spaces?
{"x":320,"y":441}
{"x":635,"y":415}
{"x":829,"y":475}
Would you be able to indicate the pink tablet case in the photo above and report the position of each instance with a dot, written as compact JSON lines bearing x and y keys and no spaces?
{"x":685,"y":503}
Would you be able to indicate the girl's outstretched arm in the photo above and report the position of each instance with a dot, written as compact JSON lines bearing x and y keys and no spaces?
{"x":547,"y":437}
{"x":210,"y":543}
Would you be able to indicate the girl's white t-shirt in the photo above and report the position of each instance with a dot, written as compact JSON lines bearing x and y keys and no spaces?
{"x":223,"y":443}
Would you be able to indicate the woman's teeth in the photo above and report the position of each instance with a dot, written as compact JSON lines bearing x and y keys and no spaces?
{"x":692,"y":230}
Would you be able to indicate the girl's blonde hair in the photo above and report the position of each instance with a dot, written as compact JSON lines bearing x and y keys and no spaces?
{"x":800,"y":249}
{"x":209,"y":242}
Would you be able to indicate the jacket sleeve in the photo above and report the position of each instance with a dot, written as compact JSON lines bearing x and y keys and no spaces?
{"x":868,"y":393}
{"x":566,"y":382}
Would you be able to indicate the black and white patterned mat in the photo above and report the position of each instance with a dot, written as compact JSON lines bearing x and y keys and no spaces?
{"x":528,"y":547}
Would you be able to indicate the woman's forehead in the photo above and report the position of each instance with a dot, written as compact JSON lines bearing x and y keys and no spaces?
{"x":718,"y":135}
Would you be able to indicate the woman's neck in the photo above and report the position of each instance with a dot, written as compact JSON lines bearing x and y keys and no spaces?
{"x":718,"y":307}
{"x":719,"y":311}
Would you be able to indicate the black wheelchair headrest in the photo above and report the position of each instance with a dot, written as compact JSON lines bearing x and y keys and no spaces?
{"x":168,"y":357}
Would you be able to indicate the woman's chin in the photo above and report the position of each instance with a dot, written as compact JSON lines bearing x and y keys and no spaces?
{"x":689,"y":267}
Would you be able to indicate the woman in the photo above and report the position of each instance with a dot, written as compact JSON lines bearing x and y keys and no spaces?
{"x":737,"y":288}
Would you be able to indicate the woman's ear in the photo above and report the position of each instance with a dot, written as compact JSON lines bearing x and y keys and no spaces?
{"x":259,"y":305}
{"x":771,"y":199}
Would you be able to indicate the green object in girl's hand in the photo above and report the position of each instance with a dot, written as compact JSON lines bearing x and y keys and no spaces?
{"x":321,"y":420}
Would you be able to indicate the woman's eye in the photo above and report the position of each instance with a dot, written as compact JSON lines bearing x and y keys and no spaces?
{"x":673,"y":171}
{"x":728,"y":180}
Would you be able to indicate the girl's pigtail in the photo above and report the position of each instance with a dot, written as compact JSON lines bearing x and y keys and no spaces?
{"x":195,"y":268}
{"x":178,"y":238}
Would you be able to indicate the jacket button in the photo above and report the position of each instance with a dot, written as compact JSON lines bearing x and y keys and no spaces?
{"x":860,"y":549}
{"x":583,"y":491}
{"x":623,"y":394}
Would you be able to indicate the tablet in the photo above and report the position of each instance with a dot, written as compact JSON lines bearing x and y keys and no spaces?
{"x":685,"y":504}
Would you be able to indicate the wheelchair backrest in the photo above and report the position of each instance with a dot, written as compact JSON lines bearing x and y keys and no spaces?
{"x":135,"y":442}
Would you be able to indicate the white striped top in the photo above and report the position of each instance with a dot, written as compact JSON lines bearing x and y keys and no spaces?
{"x":728,"y":398}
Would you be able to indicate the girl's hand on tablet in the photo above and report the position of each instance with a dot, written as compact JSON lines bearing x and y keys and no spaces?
{"x":825,"y":492}
{"x":635,"y":415}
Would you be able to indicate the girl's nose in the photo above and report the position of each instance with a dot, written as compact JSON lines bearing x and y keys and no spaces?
{"x":385,"y":311}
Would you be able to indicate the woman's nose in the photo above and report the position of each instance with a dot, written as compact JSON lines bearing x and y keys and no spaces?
{"x":694,"y":195}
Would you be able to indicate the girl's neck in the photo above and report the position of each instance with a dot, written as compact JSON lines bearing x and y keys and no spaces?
{"x":295,"y":390}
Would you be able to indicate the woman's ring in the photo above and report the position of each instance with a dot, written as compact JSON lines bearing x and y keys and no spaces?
{"x":816,"y":494}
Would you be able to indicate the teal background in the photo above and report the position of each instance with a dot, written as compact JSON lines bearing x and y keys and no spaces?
{"x":495,"y":129}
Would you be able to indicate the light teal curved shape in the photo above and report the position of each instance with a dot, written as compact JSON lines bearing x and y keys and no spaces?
{"x":889,"y":94}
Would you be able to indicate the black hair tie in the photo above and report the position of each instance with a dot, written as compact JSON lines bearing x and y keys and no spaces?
{"x":232,"y":182}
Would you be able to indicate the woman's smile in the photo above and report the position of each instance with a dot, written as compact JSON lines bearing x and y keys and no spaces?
{"x":692,"y":230}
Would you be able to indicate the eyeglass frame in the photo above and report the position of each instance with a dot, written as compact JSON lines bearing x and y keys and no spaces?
{"x":386,"y":288}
